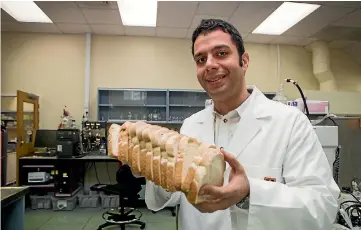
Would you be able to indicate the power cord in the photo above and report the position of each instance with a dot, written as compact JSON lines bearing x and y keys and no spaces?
{"x":302,"y":95}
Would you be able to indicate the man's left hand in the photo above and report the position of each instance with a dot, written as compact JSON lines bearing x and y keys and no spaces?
{"x":220,"y":198}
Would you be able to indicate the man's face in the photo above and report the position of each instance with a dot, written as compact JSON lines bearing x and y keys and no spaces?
{"x":218,"y":69}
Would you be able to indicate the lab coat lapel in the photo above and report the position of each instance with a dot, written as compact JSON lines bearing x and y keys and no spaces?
{"x":206,"y":128}
{"x":249,"y":125}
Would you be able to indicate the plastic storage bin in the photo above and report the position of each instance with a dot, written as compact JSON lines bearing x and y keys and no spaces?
{"x":109,"y":201}
{"x":40,"y":202}
{"x":88,"y":199}
{"x":64,"y":203}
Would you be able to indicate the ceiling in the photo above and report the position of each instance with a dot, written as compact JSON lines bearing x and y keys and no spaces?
{"x":338,"y":23}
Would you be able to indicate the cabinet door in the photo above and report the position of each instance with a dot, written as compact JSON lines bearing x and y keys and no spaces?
{"x":27,"y":116}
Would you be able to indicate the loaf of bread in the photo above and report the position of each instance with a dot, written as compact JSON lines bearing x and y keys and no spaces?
{"x":169,"y":159}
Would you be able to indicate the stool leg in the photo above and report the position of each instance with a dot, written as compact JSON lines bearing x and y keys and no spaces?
{"x":106,"y":224}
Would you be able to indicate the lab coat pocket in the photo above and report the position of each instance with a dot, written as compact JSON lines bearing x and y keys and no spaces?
{"x":264,"y":173}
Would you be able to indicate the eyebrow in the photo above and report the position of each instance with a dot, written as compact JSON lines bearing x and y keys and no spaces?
{"x":217,"y":47}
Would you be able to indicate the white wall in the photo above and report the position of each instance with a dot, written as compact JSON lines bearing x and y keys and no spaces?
{"x":52,"y":66}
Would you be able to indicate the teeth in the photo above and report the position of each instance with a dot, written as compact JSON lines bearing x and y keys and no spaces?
{"x":215,"y":79}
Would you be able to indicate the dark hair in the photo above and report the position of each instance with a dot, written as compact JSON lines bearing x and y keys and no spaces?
{"x":209,"y":25}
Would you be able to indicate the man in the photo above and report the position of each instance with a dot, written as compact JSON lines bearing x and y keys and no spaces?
{"x":276,"y":162}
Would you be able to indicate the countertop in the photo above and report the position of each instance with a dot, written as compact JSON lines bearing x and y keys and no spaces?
{"x":11,"y":194}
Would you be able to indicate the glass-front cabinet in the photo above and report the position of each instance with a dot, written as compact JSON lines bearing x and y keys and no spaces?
{"x":151,"y":105}
{"x":121,"y":105}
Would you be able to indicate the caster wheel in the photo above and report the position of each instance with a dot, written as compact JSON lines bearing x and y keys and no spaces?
{"x":142,"y":226}
{"x":173,"y":214}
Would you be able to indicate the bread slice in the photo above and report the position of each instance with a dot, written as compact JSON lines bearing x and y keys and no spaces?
{"x":183,"y":144}
{"x":136,"y":159}
{"x":113,"y":140}
{"x":164,"y":158}
{"x":172,"y":153}
{"x":156,"y":168}
{"x":124,"y":143}
{"x":210,"y":171}
{"x":143,"y":161}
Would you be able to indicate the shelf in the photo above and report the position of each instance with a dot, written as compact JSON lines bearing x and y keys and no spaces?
{"x":150,"y":122}
{"x":111,"y":105}
{"x":181,"y":105}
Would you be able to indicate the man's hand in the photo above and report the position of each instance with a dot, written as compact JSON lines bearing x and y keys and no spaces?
{"x":220,"y":198}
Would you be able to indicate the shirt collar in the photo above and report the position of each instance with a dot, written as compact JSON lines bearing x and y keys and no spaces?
{"x":236,"y":112}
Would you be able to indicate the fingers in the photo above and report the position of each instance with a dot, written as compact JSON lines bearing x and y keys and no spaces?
{"x":232,"y":161}
{"x":215,"y":192}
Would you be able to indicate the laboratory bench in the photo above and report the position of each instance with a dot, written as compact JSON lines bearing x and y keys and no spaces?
{"x":13,"y":207}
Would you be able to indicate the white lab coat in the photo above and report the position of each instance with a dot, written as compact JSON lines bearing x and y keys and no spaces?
{"x":272,"y":140}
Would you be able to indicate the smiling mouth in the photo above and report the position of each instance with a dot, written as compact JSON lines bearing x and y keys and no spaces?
{"x":216,"y":79}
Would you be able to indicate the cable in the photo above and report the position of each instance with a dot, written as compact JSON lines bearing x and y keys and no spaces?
{"x":96,"y":172}
{"x":106,"y":164}
{"x":336,"y":164}
{"x":302,"y":95}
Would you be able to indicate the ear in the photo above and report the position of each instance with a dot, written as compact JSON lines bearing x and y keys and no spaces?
{"x":245,"y":61}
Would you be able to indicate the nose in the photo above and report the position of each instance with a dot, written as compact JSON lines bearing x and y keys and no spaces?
{"x":211,"y":63}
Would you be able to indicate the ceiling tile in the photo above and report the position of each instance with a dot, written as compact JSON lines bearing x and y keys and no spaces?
{"x":291,"y":40}
{"x":259,"y":38}
{"x":351,"y":4}
{"x":341,"y":44}
{"x":317,"y":20}
{"x":189,"y":33}
{"x":108,"y":29}
{"x":176,"y":14}
{"x":199,"y":17}
{"x":56,"y":4}
{"x":96,"y":16}
{"x":98,"y":4}
{"x":171,"y":32}
{"x":5,"y":17}
{"x":352,"y":19}
{"x":139,"y":31}
{"x":30,"y":27}
{"x":65,"y":15}
{"x":354,"y":51}
{"x":74,"y":28}
{"x":250,"y":14}
{"x":331,"y":33}
{"x":220,"y":9}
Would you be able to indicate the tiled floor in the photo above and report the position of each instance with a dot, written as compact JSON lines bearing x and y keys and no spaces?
{"x":90,"y":219}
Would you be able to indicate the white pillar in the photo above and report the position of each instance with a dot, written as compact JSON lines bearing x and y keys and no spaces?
{"x":87,"y":73}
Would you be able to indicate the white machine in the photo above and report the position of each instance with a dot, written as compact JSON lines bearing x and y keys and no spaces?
{"x":328,"y":136}
{"x":39,"y":177}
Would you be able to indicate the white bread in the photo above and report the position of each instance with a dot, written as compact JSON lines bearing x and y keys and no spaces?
{"x":169,"y":159}
{"x":211,"y":166}
{"x":113,"y":140}
{"x":172,"y":153}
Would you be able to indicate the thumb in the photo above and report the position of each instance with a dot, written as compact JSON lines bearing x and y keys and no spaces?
{"x":232,"y":161}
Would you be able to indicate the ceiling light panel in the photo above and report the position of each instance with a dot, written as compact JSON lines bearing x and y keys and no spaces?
{"x":25,"y":11}
{"x":284,"y":17}
{"x":138,"y":12}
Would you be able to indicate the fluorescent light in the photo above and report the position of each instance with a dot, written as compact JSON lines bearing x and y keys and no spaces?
{"x":284,"y":17}
{"x":25,"y":11}
{"x":138,"y":12}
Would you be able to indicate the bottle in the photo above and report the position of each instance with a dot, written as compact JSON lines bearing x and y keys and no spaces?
{"x":280,"y":97}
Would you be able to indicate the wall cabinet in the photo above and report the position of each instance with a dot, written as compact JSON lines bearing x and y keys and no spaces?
{"x":160,"y":106}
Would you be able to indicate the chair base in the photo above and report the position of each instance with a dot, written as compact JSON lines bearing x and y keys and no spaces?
{"x":117,"y":217}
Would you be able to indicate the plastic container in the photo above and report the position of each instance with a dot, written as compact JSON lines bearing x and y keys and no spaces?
{"x":88,"y":199}
{"x":109,"y":201}
{"x":40,"y":202}
{"x":64,"y":203}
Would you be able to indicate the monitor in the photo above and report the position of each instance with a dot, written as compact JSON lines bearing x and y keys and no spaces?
{"x":45,"y":138}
